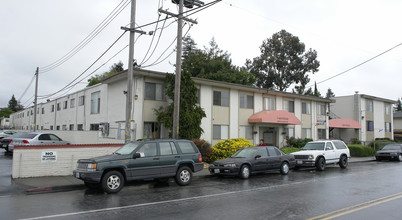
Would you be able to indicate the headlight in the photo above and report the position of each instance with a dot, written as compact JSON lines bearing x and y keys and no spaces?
{"x":230,"y":165}
{"x":91,"y":167}
{"x":310,"y":156}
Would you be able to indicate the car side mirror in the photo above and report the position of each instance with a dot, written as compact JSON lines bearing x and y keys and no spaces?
{"x":137,"y":155}
{"x":327,"y":148}
{"x":257,"y":156}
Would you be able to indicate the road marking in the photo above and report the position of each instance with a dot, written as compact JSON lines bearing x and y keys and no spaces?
{"x":358,"y":207}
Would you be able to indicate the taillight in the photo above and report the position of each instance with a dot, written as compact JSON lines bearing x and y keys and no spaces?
{"x":25,"y":142}
{"x":11,"y":140}
{"x":199,"y":158}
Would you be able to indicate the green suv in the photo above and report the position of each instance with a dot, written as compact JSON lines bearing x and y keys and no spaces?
{"x":161,"y":158}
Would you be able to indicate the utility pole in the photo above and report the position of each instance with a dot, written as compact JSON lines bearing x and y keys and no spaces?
{"x":176,"y":110}
{"x":130,"y":76}
{"x":36,"y":97}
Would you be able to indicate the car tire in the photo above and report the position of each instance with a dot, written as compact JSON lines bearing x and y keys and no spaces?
{"x":285,"y":168}
{"x":320,"y":164}
{"x":184,"y":176}
{"x":343,"y":162}
{"x":244,"y":172}
{"x":377,"y":159}
{"x":7,"y":150}
{"x":92,"y":185}
{"x":112,"y":182}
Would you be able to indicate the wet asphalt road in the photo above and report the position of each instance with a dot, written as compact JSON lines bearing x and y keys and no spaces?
{"x":356,"y":193}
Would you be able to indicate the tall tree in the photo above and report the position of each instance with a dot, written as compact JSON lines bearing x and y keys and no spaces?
{"x":190,"y":113}
{"x":398,"y":106}
{"x":212,"y":63}
{"x":115,"y":68}
{"x":5,"y":112}
{"x":283,"y":62}
{"x":329,"y":94}
{"x":316,"y":92}
{"x":14,"y":105}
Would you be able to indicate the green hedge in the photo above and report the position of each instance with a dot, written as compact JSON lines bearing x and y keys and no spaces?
{"x":357,"y":150}
{"x":288,"y":150}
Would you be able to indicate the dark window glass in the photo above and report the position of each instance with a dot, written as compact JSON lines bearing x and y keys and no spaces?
{"x":262,"y":151}
{"x":186,"y":147}
{"x":272,"y":152}
{"x":149,"y":150}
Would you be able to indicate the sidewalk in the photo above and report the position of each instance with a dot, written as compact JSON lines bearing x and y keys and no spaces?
{"x":69,"y":183}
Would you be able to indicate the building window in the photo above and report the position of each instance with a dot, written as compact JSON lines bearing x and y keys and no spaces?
{"x":51,"y":127}
{"x":37,"y":111}
{"x":154,"y":91}
{"x":64,"y":128}
{"x":52,"y":108}
{"x":269,"y":104}
{"x":151,"y":130}
{"x":31,"y":111}
{"x":370,"y":126}
{"x":81,"y":100}
{"x":80,"y":127}
{"x":387,"y":109}
{"x":322,"y":133}
{"x":306,"y":108}
{"x":246,"y":132}
{"x":43,"y":111}
{"x":220,"y":132}
{"x":290,"y":132}
{"x":94,"y":127}
{"x":58,"y":107}
{"x":369,"y":105}
{"x":306,"y":133}
{"x":65,"y":105}
{"x":28,"y":113}
{"x":388,"y":127}
{"x":246,"y":101}
{"x":321,"y":109}
{"x":289,"y":106}
{"x":72,"y":103}
{"x":58,"y":127}
{"x":221,"y":98}
{"x":71,"y":128}
{"x":95,"y":102}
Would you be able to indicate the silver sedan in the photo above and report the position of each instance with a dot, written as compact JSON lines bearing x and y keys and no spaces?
{"x":36,"y":138}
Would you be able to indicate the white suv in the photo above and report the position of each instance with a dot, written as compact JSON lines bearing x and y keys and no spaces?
{"x":319,"y":153}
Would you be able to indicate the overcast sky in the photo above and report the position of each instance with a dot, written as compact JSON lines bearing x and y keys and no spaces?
{"x":344,"y":34}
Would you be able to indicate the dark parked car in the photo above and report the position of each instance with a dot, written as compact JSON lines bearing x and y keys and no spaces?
{"x":151,"y":159}
{"x":390,"y":152}
{"x":253,"y":160}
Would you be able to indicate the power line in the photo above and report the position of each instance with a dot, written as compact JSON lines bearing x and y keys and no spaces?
{"x":26,"y":89}
{"x":354,"y":67}
{"x":115,"y":12}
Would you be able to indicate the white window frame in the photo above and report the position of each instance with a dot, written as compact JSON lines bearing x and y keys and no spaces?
{"x":269,"y":104}
{"x":222,"y":130}
{"x":95,"y":102}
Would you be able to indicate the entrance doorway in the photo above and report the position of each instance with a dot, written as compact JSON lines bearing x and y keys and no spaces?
{"x":270,"y":138}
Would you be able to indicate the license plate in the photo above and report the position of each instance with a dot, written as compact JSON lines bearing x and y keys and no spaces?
{"x":299,"y":162}
{"x":217,"y":171}
{"x":77,"y":175}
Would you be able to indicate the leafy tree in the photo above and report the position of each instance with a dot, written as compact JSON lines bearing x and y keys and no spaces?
{"x":398,"y":106}
{"x":115,"y":68}
{"x":316,"y":92}
{"x":283,"y":62}
{"x":190,"y":113}
{"x":329,"y":94}
{"x":14,"y":105}
{"x":212,"y":63}
{"x":5,"y":112}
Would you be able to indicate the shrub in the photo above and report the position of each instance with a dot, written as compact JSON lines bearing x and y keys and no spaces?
{"x":225,"y":148}
{"x":355,"y":141}
{"x":288,"y":150}
{"x":360,"y":150}
{"x":297,"y":142}
{"x":205,"y":149}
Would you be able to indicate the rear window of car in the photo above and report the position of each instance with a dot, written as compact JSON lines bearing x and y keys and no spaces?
{"x":186,"y":147}
{"x":339,"y":145}
{"x":28,"y":136}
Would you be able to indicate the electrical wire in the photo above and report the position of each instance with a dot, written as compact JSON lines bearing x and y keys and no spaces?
{"x":153,"y":37}
{"x":26,"y":89}
{"x":115,"y":12}
{"x":358,"y":65}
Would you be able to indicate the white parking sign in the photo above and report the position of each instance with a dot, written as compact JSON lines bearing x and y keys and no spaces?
{"x":49,"y":156}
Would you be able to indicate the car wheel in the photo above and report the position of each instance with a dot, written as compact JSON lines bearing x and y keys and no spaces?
{"x":184,"y":176}
{"x":244,"y":172}
{"x":92,"y":185}
{"x":112,"y":182}
{"x":343,"y":162}
{"x":284,"y":168}
{"x":377,"y":159}
{"x":320,"y":165}
{"x":7,"y":150}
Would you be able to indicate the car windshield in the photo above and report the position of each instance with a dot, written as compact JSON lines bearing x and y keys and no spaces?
{"x":314,"y":146}
{"x":392,"y":147}
{"x":127,"y":149}
{"x":245,"y":152}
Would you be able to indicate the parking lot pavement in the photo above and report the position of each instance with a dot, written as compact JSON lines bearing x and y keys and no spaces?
{"x":68,"y":183}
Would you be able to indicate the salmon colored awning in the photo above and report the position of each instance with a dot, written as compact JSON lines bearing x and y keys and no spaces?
{"x":276,"y":117}
{"x":344,"y":123}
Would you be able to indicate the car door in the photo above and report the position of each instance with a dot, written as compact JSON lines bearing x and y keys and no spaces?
{"x":43,"y":139}
{"x":274,"y":160}
{"x":147,"y":166}
{"x":330,"y":153}
{"x":168,"y":158}
{"x":261,"y":163}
